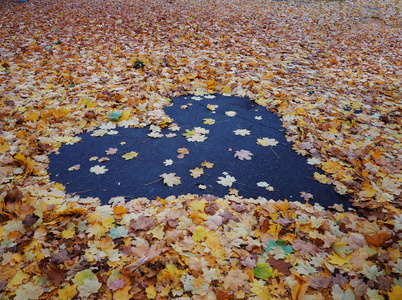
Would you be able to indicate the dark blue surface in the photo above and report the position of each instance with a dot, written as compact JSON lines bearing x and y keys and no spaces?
{"x":288,"y":175}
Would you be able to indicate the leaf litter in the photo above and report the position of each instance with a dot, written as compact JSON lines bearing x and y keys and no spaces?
{"x":330,"y":70}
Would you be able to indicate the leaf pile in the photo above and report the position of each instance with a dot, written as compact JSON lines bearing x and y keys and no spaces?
{"x":331,"y":70}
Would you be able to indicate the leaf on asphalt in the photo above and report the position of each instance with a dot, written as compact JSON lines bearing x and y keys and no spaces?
{"x":130,"y":155}
{"x":197,"y":172}
{"x":98,"y":170}
{"x":267,"y":142}
{"x":227,"y":180}
{"x":170,"y":179}
{"x":243,"y":154}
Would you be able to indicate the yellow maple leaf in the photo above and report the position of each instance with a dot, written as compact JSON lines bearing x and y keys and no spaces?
{"x":321,"y":178}
{"x":226,"y":90}
{"x":67,"y":292}
{"x":199,"y":233}
{"x":68,"y":233}
{"x":197,"y":205}
{"x":197,"y":172}
{"x":151,"y":292}
{"x":125,"y":115}
{"x":108,"y":223}
{"x":18,"y":278}
{"x":215,"y":246}
{"x":32,"y":116}
{"x":209,"y":121}
{"x":337,"y":260}
{"x":207,"y":165}
{"x":158,"y":232}
{"x":341,"y":249}
{"x":130,"y":155}
{"x":395,"y":293}
{"x":258,"y":288}
{"x":123,"y":293}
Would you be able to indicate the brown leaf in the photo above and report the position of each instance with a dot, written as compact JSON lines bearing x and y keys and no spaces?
{"x":280,"y":265}
{"x":30,"y":220}
{"x":143,"y":223}
{"x":227,"y":216}
{"x":55,"y":275}
{"x":319,"y":282}
{"x":60,"y":257}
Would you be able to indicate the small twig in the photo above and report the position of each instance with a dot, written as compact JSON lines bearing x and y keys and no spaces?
{"x":240,"y":183}
{"x":83,"y":192}
{"x":274,"y":152}
{"x":146,"y":140}
{"x":153,"y":182}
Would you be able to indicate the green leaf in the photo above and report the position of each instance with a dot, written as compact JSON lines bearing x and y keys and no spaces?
{"x":114,"y":116}
{"x":270,"y":244}
{"x":263,"y":271}
{"x":286,"y":248}
{"x":119,"y":232}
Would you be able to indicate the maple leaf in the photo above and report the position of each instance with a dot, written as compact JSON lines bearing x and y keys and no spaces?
{"x":155,"y":134}
{"x":214,"y":221}
{"x":306,"y":196}
{"x":263,"y":271}
{"x":321,"y":178}
{"x":182,"y":152}
{"x":234,"y":279}
{"x":259,"y":288}
{"x":143,"y":223}
{"x":197,"y":138}
{"x":319,"y":282}
{"x":168,"y":162}
{"x":338,"y":294}
{"x":170,"y":179}
{"x":117,"y":284}
{"x":29,"y":220}
{"x":208,"y":165}
{"x":55,"y":274}
{"x":28,"y":291}
{"x":230,"y":113}
{"x":209,"y":121}
{"x":242,"y":132}
{"x":197,"y":172}
{"x":267,"y":142}
{"x":374,"y":295}
{"x":130,"y":155}
{"x":395,"y":293}
{"x":280,"y":265}
{"x":227,"y":216}
{"x":249,"y":262}
{"x":118,"y":232}
{"x":170,"y":135}
{"x":98,"y":170}
{"x":305,"y":268}
{"x":212,"y":107}
{"x":89,"y":287}
{"x":67,"y":292}
{"x":74,"y":168}
{"x":60,"y":257}
{"x":111,"y":151}
{"x":154,"y":251}
{"x":243,"y":154}
{"x":227,"y":180}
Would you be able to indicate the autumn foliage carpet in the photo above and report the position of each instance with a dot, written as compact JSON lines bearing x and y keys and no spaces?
{"x":331,"y":71}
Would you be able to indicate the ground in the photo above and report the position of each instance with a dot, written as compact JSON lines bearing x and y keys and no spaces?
{"x":330,"y":70}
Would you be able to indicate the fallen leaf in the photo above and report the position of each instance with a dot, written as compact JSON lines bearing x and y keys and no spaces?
{"x":170,"y":179}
